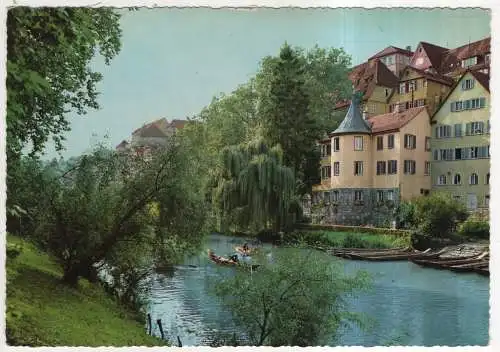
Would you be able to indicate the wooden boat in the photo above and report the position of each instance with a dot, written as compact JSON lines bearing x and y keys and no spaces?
{"x":446,"y":262}
{"x":471,"y":267}
{"x":217,"y":259}
{"x":367,"y":250}
{"x":482,"y":271}
{"x":386,"y":257}
{"x":247,"y":252}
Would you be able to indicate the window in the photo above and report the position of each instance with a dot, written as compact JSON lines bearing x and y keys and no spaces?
{"x":473,"y":179}
{"x":427,"y":168}
{"x":392,"y":167}
{"x":390,"y":141}
{"x":335,"y":196}
{"x":326,"y":172}
{"x":467,"y":84}
{"x":389,"y":60}
{"x":458,"y":130}
{"x":387,"y":92}
{"x":402,"y":87}
{"x":390,"y":195}
{"x":443,"y":131}
{"x":381,"y":167}
{"x":409,"y":167}
{"x":336,"y":144}
{"x":471,"y":61}
{"x":487,"y":179}
{"x":487,"y":201}
{"x":441,"y":180}
{"x":336,"y":168}
{"x":473,"y":152}
{"x":458,"y":154}
{"x":358,"y":168}
{"x":380,"y":196}
{"x":326,"y":150}
{"x":474,"y":128}
{"x":487,"y":59}
{"x":457,"y":179}
{"x":358,"y":143}
{"x":412,"y":86}
{"x":427,"y":144}
{"x":358,"y":196}
{"x":410,"y":141}
{"x":380,"y":142}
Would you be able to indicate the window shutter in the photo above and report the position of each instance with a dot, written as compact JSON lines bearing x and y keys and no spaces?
{"x":464,"y":84}
{"x":466,"y":153}
{"x":482,"y":102}
{"x":488,"y":126}
{"x":467,"y":129}
{"x":472,"y":83}
{"x":481,"y":126}
{"x":436,"y":154}
{"x":452,"y":107}
{"x":437,"y":132}
{"x":458,"y":130}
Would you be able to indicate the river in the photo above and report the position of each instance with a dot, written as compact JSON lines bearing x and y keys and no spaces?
{"x":410,"y":304}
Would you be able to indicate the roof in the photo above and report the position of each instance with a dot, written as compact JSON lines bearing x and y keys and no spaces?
{"x":394,"y":120}
{"x":431,"y":76}
{"x":158,"y":128}
{"x":353,"y":121}
{"x":434,"y":53}
{"x":450,"y":60}
{"x":122,"y":144}
{"x":370,"y":74}
{"x":482,"y":78}
{"x":391,"y":50}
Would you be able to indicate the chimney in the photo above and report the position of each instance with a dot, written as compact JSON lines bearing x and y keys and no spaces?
{"x":408,"y":48}
{"x":365,"y":115}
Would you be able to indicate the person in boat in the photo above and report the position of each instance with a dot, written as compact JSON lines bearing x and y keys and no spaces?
{"x":234,"y":258}
{"x":245,"y":247}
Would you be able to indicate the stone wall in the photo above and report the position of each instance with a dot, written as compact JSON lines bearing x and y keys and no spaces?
{"x":345,"y":211}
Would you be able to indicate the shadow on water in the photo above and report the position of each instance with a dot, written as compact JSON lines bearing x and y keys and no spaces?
{"x":411,"y":305}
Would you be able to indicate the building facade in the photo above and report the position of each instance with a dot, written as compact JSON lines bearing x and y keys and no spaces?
{"x":461,"y":143}
{"x":374,"y":163}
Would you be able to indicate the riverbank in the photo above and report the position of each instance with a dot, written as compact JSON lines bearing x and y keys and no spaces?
{"x":41,"y":311}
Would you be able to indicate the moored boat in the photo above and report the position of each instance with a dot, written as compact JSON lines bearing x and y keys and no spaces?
{"x":220,"y":260}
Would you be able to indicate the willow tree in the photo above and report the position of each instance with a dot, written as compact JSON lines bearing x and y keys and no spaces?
{"x":252,"y":188}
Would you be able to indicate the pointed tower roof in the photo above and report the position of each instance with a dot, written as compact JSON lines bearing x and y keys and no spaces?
{"x":353,"y":121}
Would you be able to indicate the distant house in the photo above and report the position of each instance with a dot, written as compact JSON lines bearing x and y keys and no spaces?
{"x":150,"y":136}
{"x":373,"y":164}
{"x":461,"y":142}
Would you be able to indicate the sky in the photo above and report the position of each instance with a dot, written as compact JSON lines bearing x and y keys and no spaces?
{"x":173,"y":61}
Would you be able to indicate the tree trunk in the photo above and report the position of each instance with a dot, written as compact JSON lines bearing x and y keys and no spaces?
{"x":71,"y":275}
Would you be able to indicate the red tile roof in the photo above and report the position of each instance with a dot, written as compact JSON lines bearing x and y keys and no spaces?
{"x":434,"y":53}
{"x":450,"y":60}
{"x":393,"y":121}
{"x":482,"y":78}
{"x":432,"y":76}
{"x":368,"y":75}
{"x":122,"y":144}
{"x":391,"y":50}
{"x":162,"y":125}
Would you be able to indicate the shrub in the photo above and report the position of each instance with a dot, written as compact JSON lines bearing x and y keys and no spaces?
{"x":437,"y":214}
{"x":353,"y":241}
{"x":475,"y":228}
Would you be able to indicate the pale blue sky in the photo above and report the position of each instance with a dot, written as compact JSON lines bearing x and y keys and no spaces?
{"x":173,"y":61}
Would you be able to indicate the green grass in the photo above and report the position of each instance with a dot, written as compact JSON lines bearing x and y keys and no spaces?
{"x":348,"y":239}
{"x":42,"y":311}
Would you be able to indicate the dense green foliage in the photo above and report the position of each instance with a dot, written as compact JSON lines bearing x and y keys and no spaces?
{"x":475,"y":228}
{"x":42,"y":311}
{"x":435,"y":215}
{"x":253,"y":188}
{"x":49,"y":51}
{"x":297,"y":299}
{"x":346,"y":239}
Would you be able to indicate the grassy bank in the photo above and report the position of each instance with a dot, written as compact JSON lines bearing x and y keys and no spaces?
{"x":41,"y":311}
{"x":347,"y":239}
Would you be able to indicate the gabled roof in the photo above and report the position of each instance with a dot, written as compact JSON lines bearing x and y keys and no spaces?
{"x":429,"y":75}
{"x":353,"y":121}
{"x":482,"y":78}
{"x":367,"y":76}
{"x":434,"y":53}
{"x":393,"y":121}
{"x":391,"y":50}
{"x":159,"y":128}
{"x":122,"y":144}
{"x":451,"y":59}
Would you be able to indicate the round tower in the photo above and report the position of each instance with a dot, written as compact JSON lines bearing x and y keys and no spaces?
{"x":351,"y":150}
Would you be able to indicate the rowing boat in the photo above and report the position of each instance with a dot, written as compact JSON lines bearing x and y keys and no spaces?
{"x":217,"y":259}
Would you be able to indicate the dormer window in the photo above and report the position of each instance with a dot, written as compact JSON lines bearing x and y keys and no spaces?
{"x":471,"y":61}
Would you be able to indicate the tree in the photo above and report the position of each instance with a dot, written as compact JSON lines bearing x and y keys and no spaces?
{"x":253,"y":188}
{"x":106,"y":198}
{"x":296,"y":94}
{"x":436,"y":215}
{"x":49,"y":51}
{"x":299,"y":299}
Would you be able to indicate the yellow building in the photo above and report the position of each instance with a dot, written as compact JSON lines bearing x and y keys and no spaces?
{"x":418,"y":88}
{"x":373,"y":164}
{"x":461,"y":146}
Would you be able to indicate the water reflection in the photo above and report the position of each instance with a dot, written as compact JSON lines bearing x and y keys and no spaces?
{"x":412,"y":305}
